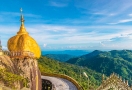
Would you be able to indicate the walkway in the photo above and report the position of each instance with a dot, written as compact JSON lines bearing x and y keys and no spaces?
{"x":60,"y":83}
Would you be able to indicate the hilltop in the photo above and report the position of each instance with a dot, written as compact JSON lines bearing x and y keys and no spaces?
{"x":107,"y":62}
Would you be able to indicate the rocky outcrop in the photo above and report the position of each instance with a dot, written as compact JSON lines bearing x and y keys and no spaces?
{"x":27,"y":68}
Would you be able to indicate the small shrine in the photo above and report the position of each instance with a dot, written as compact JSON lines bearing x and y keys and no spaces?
{"x":114,"y":82}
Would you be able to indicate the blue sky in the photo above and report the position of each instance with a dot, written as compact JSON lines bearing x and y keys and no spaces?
{"x":70,"y":24}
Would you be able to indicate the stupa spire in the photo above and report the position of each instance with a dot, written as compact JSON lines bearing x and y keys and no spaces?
{"x":22,"y":28}
{"x":22,"y":17}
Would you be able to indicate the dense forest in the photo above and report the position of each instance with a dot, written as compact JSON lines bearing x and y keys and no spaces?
{"x":48,"y":65}
{"x":107,"y":62}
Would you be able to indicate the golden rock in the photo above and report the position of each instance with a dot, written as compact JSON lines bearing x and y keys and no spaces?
{"x":23,"y":42}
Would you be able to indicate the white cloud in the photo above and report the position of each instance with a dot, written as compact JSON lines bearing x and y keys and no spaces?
{"x":130,"y":15}
{"x":58,"y":4}
{"x":104,"y":13}
{"x":102,"y":43}
{"x":45,"y":45}
{"x":111,"y":13}
{"x":122,"y":21}
{"x":15,"y":14}
{"x":4,"y":48}
{"x":76,"y":35}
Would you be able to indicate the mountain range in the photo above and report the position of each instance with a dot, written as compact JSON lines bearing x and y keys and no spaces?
{"x":59,"y":57}
{"x":69,"y":52}
{"x":107,"y":62}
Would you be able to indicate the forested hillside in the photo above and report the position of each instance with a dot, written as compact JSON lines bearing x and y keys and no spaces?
{"x":48,"y":65}
{"x":107,"y":62}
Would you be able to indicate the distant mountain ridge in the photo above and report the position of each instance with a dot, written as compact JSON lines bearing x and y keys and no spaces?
{"x":107,"y":62}
{"x":69,"y":52}
{"x":59,"y":57}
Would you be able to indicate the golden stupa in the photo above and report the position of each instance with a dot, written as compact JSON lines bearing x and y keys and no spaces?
{"x":23,"y":42}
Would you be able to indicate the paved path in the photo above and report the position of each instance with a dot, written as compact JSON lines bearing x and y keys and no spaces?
{"x":60,"y":83}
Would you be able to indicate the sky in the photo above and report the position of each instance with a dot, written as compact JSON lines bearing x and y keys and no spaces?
{"x":70,"y":24}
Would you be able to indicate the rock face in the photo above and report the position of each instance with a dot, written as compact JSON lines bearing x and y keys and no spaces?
{"x":23,"y":49}
{"x":27,"y":68}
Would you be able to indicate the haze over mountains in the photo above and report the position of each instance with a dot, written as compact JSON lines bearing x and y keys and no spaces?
{"x":64,"y":55}
{"x":60,"y":57}
{"x":69,"y":52}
